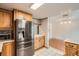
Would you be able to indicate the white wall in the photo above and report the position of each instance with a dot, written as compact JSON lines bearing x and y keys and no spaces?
{"x":36,"y":21}
{"x":34,"y":25}
{"x":65,"y":31}
{"x":43,"y":29}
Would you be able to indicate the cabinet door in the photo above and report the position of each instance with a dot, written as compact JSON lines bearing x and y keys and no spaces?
{"x":21,"y":15}
{"x":70,"y":52}
{"x":41,"y":42}
{"x":1,"y":19}
{"x":36,"y":43}
{"x":18,"y":15}
{"x":78,"y":51}
{"x":67,"y":51}
{"x":6,"y":20}
{"x":70,"y":49}
{"x":28,"y":17}
{"x":73,"y":52}
{"x":8,"y":49}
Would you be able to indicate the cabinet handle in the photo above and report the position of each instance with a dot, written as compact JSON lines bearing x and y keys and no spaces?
{"x":72,"y":46}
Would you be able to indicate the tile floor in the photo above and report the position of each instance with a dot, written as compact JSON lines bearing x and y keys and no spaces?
{"x":48,"y":52}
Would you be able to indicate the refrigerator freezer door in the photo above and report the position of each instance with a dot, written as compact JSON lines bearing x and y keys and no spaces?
{"x":28,"y":51}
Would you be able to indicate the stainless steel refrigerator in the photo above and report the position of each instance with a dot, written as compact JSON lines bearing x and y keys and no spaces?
{"x":24,"y":38}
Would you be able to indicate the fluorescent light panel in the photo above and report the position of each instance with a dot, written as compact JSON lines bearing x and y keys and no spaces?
{"x":65,"y":22}
{"x":36,"y":5}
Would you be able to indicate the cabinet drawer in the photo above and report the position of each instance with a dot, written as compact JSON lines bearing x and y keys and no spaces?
{"x":70,"y":51}
{"x":78,"y":46}
{"x":73,"y":52}
{"x":70,"y":45}
{"x":78,"y":50}
{"x":73,"y":46}
{"x":67,"y":44}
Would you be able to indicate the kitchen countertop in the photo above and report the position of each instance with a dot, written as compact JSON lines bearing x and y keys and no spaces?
{"x":38,"y":35}
{"x":4,"y":41}
{"x":76,"y":41}
{"x":72,"y":41}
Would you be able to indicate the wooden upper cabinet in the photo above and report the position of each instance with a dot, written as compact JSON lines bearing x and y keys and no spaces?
{"x":18,"y":14}
{"x":5,"y":20}
{"x":28,"y":17}
{"x":1,"y":18}
{"x":23,"y":15}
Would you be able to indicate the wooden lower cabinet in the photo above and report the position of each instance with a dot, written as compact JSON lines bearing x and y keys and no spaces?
{"x":36,"y":43}
{"x":42,"y":41}
{"x":8,"y":49}
{"x":78,"y":50}
{"x":71,"y":49}
{"x":71,"y":52}
{"x":39,"y":42}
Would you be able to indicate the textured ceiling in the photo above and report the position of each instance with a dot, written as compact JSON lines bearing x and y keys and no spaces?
{"x":48,"y":9}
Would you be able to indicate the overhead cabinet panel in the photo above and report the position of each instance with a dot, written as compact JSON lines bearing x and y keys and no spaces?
{"x":5,"y":20}
{"x":22,"y":15}
{"x":1,"y":19}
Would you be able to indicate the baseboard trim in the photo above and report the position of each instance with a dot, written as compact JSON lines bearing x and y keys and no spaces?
{"x":39,"y":48}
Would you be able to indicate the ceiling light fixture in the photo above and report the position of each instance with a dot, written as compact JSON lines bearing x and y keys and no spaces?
{"x":36,"y":5}
{"x":61,"y":22}
{"x":69,"y":21}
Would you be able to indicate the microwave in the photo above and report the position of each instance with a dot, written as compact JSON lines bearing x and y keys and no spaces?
{"x":5,"y":35}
